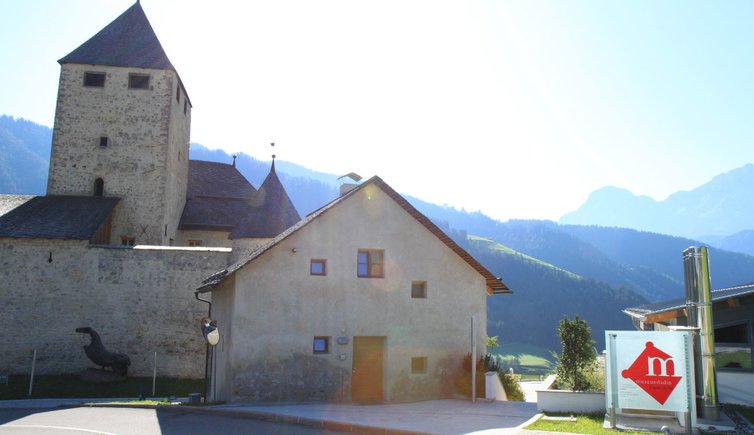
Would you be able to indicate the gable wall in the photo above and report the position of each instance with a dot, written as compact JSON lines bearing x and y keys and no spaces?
{"x":139,"y":301}
{"x":279,"y":307}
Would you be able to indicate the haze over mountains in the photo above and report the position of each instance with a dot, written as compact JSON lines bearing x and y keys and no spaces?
{"x":554,"y":269}
{"x":714,"y":211}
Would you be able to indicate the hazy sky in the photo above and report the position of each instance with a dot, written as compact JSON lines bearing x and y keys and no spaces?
{"x":516,"y":108}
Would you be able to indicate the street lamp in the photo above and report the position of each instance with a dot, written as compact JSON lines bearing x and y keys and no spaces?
{"x":212,"y":335}
{"x":210,"y":331}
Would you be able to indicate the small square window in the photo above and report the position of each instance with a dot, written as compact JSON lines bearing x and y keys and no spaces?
{"x":103,"y":141}
{"x":370,"y":263}
{"x":94,"y":79}
{"x":419,"y":365}
{"x":195,"y":243}
{"x":127,"y":240}
{"x":321,"y":345}
{"x":138,"y":81}
{"x":318,"y":267}
{"x":419,"y":289}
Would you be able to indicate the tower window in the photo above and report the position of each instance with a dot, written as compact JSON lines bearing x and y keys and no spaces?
{"x":138,"y":81}
{"x":94,"y":79}
{"x":103,"y":141}
{"x":99,"y":187}
{"x":178,"y":93}
{"x":185,"y":106}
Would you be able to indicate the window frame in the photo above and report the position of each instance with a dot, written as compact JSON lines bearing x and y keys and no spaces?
{"x":321,"y":339}
{"x":96,"y":83}
{"x":370,"y":263}
{"x":193,"y":243}
{"x":745,"y":346}
{"x":128,"y":240}
{"x":318,"y":261}
{"x":139,"y":81}
{"x":422,"y":367}
{"x":423,"y":285}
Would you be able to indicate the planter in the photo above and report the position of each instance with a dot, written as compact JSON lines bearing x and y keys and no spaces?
{"x":580,"y":402}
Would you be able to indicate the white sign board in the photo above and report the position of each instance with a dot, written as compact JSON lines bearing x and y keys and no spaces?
{"x":649,"y":370}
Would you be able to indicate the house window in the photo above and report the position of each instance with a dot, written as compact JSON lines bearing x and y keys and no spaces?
{"x":178,"y":93}
{"x":138,"y":81}
{"x":127,"y":240}
{"x":195,"y":243}
{"x":318,"y":266}
{"x":99,"y":187}
{"x":103,"y":141}
{"x":419,"y":289}
{"x":419,"y":365}
{"x":371,"y":263}
{"x":94,"y":79}
{"x":733,"y":347}
{"x":321,"y":345}
{"x":185,"y":106}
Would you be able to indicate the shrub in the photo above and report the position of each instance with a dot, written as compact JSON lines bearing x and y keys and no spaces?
{"x":577,"y":357}
{"x":487,"y":363}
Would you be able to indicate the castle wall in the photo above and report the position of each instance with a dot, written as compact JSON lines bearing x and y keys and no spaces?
{"x":140,"y":300}
{"x":207,"y":238}
{"x":145,"y":161}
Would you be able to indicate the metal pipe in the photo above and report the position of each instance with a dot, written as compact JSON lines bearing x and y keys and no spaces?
{"x":699,"y":313}
{"x":207,"y":350}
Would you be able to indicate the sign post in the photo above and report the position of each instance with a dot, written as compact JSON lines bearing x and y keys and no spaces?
{"x":650,"y":370}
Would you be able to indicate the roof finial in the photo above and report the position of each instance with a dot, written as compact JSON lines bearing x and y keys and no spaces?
{"x":234,"y":159}
{"x":272,"y":144}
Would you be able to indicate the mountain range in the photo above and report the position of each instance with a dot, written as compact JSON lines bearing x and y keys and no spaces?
{"x":554,"y":269}
{"x":717,"y":211}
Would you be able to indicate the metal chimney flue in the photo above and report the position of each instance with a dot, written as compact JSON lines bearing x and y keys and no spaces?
{"x":699,"y":314}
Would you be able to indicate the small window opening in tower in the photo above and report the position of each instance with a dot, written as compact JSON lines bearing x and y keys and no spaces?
{"x":94,"y":79}
{"x":103,"y":141}
{"x":185,"y":106}
{"x":138,"y":81}
{"x":178,"y":93}
{"x":99,"y":187}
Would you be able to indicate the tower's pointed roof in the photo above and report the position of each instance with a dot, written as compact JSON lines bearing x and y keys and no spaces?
{"x":128,"y":41}
{"x":273,"y":214}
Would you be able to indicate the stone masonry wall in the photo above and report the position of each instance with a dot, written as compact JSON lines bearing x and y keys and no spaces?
{"x":137,"y":164}
{"x":140,"y":300}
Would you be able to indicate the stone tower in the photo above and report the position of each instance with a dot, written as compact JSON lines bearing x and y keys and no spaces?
{"x":122,"y":127}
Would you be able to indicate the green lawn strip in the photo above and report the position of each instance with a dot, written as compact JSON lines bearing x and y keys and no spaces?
{"x":585,"y":424}
{"x":70,"y":386}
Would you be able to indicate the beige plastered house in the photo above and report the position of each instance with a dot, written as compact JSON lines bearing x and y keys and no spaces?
{"x":364,"y":300}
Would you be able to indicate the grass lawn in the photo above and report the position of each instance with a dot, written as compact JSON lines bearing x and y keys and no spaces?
{"x":70,"y":386}
{"x":584,"y":424}
{"x":525,"y":358}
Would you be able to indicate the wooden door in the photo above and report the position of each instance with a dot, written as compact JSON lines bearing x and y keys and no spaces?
{"x":368,"y":368}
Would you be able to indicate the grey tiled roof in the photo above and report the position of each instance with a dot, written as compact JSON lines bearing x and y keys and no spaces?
{"x":643,"y":311}
{"x":57,"y":217}
{"x":273,"y":213}
{"x":128,"y":41}
{"x":217,"y":197}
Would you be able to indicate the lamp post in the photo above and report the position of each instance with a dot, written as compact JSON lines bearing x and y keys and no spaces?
{"x":212,"y":335}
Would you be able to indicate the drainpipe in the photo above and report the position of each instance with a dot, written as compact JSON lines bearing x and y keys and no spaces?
{"x":699,"y":309}
{"x":206,"y":354}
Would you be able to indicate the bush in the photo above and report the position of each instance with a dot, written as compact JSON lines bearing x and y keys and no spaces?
{"x":487,"y":363}
{"x":578,"y":356}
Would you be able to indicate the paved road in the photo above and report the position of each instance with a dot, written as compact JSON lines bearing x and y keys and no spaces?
{"x":125,"y":421}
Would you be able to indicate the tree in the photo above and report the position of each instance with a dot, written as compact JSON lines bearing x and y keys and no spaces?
{"x":577,"y":356}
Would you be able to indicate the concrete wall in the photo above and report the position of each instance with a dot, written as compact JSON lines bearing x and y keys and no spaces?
{"x":139,"y":300}
{"x":208,"y":238}
{"x":275,"y":309}
{"x":146,"y":160}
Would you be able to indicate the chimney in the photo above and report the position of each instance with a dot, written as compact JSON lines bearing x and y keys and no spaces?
{"x":699,"y":313}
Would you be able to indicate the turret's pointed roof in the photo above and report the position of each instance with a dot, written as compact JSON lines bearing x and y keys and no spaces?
{"x":273,"y":214}
{"x":129,"y":41}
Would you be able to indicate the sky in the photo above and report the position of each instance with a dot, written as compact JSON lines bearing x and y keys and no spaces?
{"x":518,"y":109}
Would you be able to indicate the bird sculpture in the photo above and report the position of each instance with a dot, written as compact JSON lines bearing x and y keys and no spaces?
{"x":96,"y":352}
